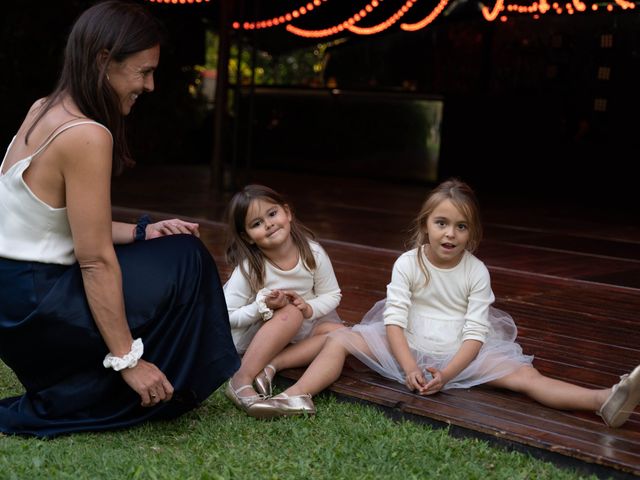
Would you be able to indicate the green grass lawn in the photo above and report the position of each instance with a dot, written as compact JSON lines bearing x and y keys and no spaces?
{"x":217,"y":441}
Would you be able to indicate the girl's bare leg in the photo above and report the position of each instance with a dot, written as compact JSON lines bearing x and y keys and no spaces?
{"x":272,"y":337}
{"x":302,"y":353}
{"x":326,"y":367}
{"x":551,"y":392}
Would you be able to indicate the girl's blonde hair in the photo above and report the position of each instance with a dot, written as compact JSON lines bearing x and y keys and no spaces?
{"x":238,"y":247}
{"x":464,"y":199}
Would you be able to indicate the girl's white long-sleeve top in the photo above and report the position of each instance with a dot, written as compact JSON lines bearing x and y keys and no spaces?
{"x":319,"y":288}
{"x":439,"y":315}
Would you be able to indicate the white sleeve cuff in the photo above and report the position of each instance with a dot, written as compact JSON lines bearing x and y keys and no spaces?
{"x":265,"y":312}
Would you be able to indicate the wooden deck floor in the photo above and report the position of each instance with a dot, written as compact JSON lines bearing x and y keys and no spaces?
{"x":569,"y":276}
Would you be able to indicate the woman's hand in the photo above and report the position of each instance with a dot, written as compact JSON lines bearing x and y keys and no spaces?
{"x":300,"y":303}
{"x":276,"y":299}
{"x":149,"y":382}
{"x":171,"y":227}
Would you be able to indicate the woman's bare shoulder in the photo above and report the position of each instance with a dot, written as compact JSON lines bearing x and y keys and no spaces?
{"x":80,"y":139}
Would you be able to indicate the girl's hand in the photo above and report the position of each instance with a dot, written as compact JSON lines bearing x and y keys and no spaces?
{"x":300,"y":303}
{"x":149,"y":382}
{"x":276,"y":299}
{"x":415,"y":381}
{"x":171,"y":227}
{"x":436,"y":383}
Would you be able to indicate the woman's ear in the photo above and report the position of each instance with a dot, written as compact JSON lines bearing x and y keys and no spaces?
{"x":103,"y":59}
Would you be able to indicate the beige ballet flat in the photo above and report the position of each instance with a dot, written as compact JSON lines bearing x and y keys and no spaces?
{"x":623,"y":399}
{"x":243,"y":403}
{"x":282,"y":405}
{"x":263,"y":381}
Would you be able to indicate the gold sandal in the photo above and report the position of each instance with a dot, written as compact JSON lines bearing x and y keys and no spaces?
{"x":263,"y":381}
{"x":283,"y":405}
{"x":243,"y":403}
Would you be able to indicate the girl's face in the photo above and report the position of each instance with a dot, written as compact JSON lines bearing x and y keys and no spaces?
{"x":448,"y":233}
{"x":133,"y":76}
{"x":267,"y":224}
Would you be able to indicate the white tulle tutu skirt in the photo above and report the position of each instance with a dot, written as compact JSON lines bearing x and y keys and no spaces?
{"x":243,"y":341}
{"x":499,"y":356}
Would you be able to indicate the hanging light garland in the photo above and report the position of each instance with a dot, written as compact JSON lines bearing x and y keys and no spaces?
{"x":498,"y":11}
{"x":383,"y":25}
{"x":579,"y":5}
{"x":491,"y":15}
{"x":325,"y":32}
{"x":280,"y":19}
{"x":624,"y":4}
{"x":542,"y":7}
{"x":412,"y":27}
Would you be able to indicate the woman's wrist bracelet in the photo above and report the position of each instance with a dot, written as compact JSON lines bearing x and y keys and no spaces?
{"x":129,"y":360}
{"x":140,"y":232}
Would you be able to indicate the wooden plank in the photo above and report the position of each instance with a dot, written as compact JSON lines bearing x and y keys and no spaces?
{"x":562,"y":240}
{"x":552,"y":262}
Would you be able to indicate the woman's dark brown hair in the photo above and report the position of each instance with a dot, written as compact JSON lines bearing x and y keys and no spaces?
{"x":121,"y":29}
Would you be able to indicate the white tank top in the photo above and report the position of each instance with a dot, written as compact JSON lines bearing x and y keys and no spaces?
{"x":31,"y":230}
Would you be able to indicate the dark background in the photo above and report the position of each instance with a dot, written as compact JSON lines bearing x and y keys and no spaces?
{"x":519,"y":97}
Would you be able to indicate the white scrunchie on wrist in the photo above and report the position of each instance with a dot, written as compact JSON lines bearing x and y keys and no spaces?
{"x":265,"y":312}
{"x":130,"y":360}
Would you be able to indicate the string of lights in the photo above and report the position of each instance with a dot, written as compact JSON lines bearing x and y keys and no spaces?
{"x":542,"y":7}
{"x":280,"y":19}
{"x":325,"y":32}
{"x":412,"y":27}
{"x":383,"y":25}
{"x":499,"y":10}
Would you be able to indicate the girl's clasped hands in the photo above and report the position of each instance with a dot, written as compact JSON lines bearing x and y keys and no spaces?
{"x":280,"y":298}
{"x":425,"y":383}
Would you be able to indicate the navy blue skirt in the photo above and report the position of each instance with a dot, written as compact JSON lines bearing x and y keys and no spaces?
{"x":174,"y":302}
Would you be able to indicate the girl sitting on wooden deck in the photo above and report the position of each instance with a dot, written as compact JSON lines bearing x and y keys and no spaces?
{"x":283,"y":290}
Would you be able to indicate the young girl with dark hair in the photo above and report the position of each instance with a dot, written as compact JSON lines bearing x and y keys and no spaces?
{"x":283,"y":290}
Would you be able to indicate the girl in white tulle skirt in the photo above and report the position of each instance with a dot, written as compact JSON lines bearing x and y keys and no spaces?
{"x":437,"y":330}
{"x":498,"y":357}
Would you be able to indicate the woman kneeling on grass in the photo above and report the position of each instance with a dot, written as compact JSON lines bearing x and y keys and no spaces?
{"x":71,"y":304}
